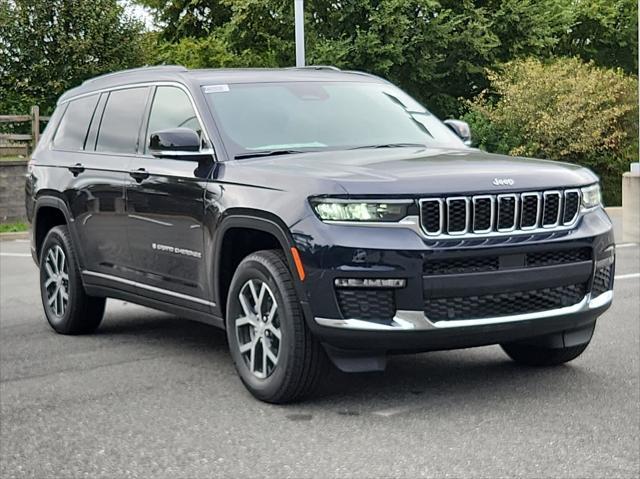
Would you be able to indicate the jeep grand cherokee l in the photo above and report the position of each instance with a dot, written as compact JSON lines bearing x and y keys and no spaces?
{"x":316,"y":215}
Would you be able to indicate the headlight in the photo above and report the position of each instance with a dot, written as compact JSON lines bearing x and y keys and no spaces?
{"x":591,"y":196}
{"x":358,"y":210}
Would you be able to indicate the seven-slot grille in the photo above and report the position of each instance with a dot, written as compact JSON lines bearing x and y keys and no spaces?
{"x":481,"y":214}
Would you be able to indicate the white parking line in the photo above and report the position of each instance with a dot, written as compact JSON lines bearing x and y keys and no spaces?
{"x":627,"y":276}
{"x":394,"y":411}
{"x":627,"y":245}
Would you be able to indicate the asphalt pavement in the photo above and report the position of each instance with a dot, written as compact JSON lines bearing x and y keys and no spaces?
{"x":151,"y":395}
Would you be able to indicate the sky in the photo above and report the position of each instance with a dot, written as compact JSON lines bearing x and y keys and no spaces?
{"x":138,"y":11}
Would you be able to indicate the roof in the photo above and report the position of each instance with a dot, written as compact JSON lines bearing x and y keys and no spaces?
{"x":214,"y":75}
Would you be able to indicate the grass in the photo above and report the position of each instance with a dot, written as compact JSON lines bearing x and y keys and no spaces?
{"x":13,"y":227}
{"x":12,"y":158}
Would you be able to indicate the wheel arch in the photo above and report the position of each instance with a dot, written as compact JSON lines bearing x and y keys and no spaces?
{"x":49,"y":211}
{"x":270,"y":232}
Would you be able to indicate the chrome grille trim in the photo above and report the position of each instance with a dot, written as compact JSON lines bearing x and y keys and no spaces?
{"x":515,"y":212}
{"x":577,"y":213}
{"x":548,"y":194}
{"x":440,"y":203}
{"x":538,"y":196}
{"x":497,"y":202}
{"x":492,"y":219}
{"x":467,"y":215}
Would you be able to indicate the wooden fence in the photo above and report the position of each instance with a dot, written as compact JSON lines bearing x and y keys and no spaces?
{"x":19,"y":141}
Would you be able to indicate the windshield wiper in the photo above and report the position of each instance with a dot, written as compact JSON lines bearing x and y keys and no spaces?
{"x":256,"y":154}
{"x":389,"y":145}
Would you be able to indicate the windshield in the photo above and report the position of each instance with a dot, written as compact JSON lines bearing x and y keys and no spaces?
{"x":312,"y":116}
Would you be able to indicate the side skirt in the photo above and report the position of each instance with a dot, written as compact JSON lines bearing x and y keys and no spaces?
{"x":181,"y":311}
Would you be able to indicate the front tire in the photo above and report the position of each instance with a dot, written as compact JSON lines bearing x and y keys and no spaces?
{"x":274,"y":353}
{"x":532,"y":355}
{"x":67,"y":306}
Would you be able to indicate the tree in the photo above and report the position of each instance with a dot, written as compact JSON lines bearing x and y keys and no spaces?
{"x":526,"y":28}
{"x":49,"y":47}
{"x":188,"y":18}
{"x":605,"y":31}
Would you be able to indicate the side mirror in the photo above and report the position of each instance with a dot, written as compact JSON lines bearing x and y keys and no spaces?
{"x":173,"y":143}
{"x":461,"y":129}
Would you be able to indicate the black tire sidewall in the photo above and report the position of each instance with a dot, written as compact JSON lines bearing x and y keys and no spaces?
{"x":263,"y":270}
{"x":537,"y":356}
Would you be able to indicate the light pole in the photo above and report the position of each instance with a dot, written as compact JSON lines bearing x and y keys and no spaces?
{"x":299,"y":20}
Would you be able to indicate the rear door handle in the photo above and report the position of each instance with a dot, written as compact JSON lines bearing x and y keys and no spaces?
{"x":139,"y":175}
{"x":76,"y":169}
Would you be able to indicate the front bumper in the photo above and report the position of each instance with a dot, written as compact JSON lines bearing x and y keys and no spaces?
{"x":418,"y":320}
{"x":459,"y":321}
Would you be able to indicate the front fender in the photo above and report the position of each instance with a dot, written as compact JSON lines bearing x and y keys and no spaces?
{"x":258,"y":220}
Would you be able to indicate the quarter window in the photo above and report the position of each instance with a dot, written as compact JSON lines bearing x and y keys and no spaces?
{"x":74,"y":124}
{"x":121,"y":119}
{"x":171,"y":109}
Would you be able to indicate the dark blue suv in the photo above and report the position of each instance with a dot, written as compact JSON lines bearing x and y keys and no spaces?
{"x":317,"y":215}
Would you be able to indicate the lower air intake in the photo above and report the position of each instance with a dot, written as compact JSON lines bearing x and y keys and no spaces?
{"x":602,"y":281}
{"x":503,"y":304}
{"x":360,"y":303}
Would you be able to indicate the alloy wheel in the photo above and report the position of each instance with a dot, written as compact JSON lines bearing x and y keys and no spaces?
{"x":57,"y":281}
{"x":258,"y":331}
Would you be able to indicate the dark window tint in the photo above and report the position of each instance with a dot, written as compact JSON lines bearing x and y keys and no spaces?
{"x":171,"y":109}
{"x":73,"y":127}
{"x":121,"y":121}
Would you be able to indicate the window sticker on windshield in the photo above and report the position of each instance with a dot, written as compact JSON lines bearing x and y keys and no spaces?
{"x":216,"y":88}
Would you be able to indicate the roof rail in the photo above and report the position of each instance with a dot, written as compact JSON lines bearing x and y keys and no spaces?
{"x":169,"y":68}
{"x":316,"y":67}
{"x":358,"y":72}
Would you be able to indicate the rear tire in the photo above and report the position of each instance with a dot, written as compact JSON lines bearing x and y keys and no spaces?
{"x":67,"y":306}
{"x":276,"y":357}
{"x":531,"y":355}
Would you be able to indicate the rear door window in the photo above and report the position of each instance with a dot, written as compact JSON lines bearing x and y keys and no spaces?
{"x":120,"y":125}
{"x":73,"y":127}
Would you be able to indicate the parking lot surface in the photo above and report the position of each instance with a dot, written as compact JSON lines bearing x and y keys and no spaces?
{"x":151,"y":395}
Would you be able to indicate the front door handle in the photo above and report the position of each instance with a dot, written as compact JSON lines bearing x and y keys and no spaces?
{"x":139,"y":175}
{"x":76,"y":169}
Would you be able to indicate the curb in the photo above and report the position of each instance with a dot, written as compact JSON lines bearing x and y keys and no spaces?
{"x":21,"y":235}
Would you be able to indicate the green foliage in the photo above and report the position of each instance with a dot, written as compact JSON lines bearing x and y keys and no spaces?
{"x":527,"y":27}
{"x":49,"y":47}
{"x":605,"y":31}
{"x":188,"y":18}
{"x":212,"y":51}
{"x":13,"y":227}
{"x":564,"y":110}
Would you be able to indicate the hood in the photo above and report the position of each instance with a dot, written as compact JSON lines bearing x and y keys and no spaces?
{"x":417,"y":171}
